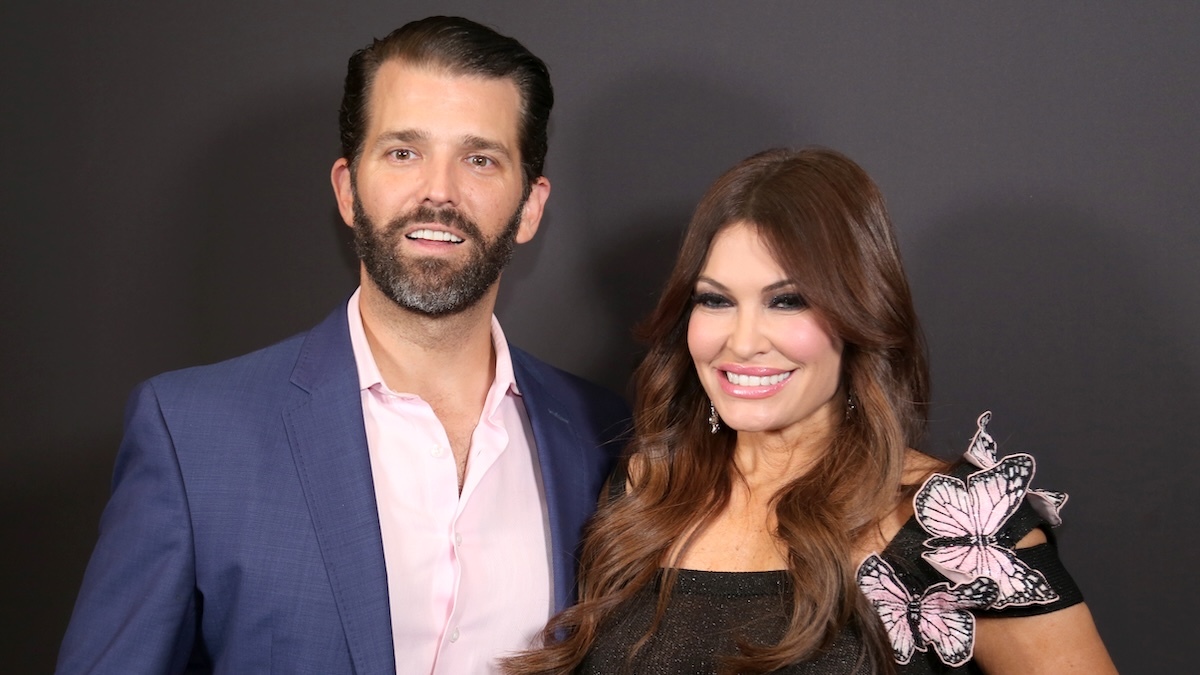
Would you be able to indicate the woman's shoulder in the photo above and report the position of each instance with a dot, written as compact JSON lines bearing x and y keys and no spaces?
{"x":937,"y":497}
{"x":919,"y":466}
{"x":975,"y":542}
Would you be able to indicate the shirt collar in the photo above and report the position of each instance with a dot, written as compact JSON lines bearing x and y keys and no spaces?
{"x":368,"y":371}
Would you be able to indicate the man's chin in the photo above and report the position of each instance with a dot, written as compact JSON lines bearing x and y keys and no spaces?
{"x":431,"y":276}
{"x":431,"y":304}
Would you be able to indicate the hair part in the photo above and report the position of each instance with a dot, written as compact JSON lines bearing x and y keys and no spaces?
{"x":825,"y":222}
{"x":459,"y":47}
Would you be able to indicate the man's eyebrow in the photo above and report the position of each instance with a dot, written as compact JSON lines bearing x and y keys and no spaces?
{"x":476,"y":143}
{"x":401,"y":136}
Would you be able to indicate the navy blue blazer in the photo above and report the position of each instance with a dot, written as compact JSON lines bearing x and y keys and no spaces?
{"x":242,"y":534}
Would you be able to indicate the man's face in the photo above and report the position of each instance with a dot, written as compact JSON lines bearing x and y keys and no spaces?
{"x":436,"y":200}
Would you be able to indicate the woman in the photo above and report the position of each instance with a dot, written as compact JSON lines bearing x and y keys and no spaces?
{"x":766,"y":519}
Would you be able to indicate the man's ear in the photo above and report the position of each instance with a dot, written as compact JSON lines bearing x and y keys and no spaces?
{"x":343,"y":189}
{"x":531,"y":214}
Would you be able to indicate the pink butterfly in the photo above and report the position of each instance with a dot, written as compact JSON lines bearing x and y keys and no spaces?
{"x":939,"y":618}
{"x":982,"y":453}
{"x":964,"y":520}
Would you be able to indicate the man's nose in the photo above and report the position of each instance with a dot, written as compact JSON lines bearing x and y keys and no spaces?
{"x":441,"y":182}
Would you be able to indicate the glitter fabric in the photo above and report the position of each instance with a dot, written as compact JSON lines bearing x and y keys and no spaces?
{"x":707,"y":612}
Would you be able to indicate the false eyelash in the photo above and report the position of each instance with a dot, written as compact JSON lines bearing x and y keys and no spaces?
{"x":794,"y":300}
{"x":709,"y":299}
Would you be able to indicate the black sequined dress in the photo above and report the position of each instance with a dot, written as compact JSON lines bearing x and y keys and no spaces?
{"x":709,"y":612}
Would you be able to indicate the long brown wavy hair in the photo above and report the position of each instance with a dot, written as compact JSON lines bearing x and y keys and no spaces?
{"x":824,"y":221}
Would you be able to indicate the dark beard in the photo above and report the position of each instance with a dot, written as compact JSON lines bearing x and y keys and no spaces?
{"x":427,"y":285}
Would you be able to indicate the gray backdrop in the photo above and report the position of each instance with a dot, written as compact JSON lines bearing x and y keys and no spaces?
{"x":165,"y":186}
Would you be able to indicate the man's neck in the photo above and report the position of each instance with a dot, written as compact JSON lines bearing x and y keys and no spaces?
{"x":433,"y":357}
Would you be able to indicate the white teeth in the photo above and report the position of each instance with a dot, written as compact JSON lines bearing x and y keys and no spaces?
{"x":435,"y":235}
{"x":755,"y":380}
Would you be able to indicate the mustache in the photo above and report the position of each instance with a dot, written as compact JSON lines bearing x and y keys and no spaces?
{"x":449,"y":216}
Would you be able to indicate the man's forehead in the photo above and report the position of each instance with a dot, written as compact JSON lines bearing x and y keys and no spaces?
{"x":399,"y":69}
{"x":406,"y":89}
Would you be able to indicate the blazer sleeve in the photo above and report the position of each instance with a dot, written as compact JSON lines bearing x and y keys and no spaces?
{"x":137,"y":609}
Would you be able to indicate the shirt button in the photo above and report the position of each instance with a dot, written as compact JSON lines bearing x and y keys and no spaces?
{"x":457,"y":539}
{"x":454,"y":635}
{"x":437,"y":451}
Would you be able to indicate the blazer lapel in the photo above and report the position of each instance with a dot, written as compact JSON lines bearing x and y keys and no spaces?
{"x":566,"y":476}
{"x":329,"y":446}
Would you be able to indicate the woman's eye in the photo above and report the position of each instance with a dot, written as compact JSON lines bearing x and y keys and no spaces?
{"x":788,"y":301}
{"x":710,"y":300}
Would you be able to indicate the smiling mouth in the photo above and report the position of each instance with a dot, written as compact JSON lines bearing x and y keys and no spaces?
{"x":434,"y":235}
{"x":756,"y":380}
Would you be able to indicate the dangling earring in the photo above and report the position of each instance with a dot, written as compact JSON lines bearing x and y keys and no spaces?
{"x":713,"y":418}
{"x":850,"y":405}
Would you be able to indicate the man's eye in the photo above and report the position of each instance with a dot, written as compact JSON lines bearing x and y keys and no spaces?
{"x":788,"y":301}
{"x":401,"y":154}
{"x":710,"y":300}
{"x":480,"y":161}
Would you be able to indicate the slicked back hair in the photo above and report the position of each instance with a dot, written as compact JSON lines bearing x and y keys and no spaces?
{"x":460,"y":47}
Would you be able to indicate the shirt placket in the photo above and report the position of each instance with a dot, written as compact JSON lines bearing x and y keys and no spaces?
{"x":484,"y":453}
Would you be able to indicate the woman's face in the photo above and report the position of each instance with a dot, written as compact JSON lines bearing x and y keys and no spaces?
{"x":766,"y":360}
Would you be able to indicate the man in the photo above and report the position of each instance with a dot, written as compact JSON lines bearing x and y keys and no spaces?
{"x":396,"y":489}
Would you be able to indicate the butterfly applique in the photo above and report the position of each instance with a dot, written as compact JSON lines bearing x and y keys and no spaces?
{"x":964,"y":519}
{"x":940,"y":617}
{"x":982,"y":453}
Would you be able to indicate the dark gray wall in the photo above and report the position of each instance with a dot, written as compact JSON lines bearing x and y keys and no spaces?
{"x":165,"y":191}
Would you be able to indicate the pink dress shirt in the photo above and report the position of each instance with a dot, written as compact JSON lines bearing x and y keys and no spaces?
{"x":468,"y":575}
